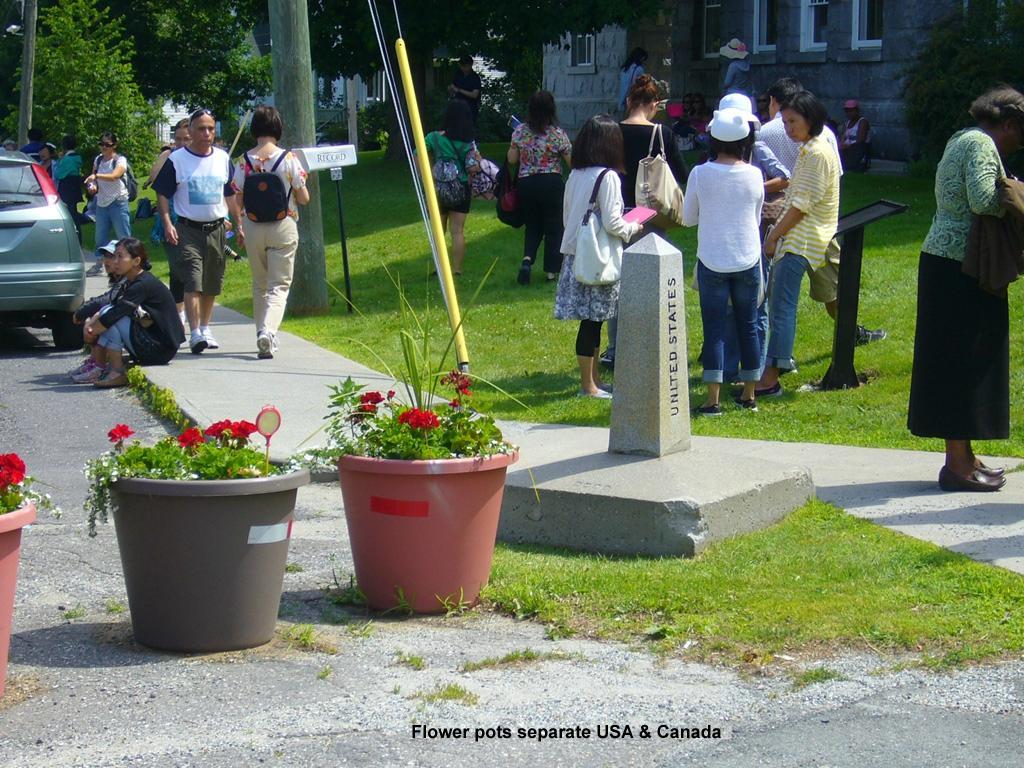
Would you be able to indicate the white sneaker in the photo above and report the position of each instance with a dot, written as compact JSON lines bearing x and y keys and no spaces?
{"x":265,"y":345}
{"x":197,"y":342}
{"x":211,"y":342}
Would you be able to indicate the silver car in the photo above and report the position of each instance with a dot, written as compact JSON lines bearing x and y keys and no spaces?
{"x":42,"y":273}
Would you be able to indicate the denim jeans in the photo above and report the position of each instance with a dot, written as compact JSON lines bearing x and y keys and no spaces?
{"x":783,"y":295}
{"x":112,"y":217}
{"x":732,"y":344}
{"x":717,"y":289}
{"x":116,"y":337}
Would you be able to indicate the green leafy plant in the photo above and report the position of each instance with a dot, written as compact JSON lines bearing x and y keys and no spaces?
{"x":220,"y":452}
{"x":15,"y":487}
{"x":421,"y":425}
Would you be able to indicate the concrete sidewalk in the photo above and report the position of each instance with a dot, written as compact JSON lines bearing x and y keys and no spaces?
{"x":897,"y":489}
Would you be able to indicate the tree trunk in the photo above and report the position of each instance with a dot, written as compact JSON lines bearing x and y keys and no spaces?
{"x":293,"y":94}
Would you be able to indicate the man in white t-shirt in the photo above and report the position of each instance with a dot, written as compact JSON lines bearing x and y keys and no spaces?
{"x":197,"y":177}
{"x":825,"y":288}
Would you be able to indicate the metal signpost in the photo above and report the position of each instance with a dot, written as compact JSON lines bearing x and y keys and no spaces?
{"x":333,"y":158}
{"x":841,"y":373}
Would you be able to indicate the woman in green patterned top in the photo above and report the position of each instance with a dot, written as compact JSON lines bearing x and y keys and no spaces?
{"x":960,"y":387}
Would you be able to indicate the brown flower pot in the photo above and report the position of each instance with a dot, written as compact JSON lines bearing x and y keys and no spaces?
{"x":10,"y":550}
{"x":422,"y":532}
{"x":204,"y":559}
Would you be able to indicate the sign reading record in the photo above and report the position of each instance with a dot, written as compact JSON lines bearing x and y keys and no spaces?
{"x":322,"y":158}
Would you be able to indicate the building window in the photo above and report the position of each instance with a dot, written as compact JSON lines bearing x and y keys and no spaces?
{"x":581,"y":50}
{"x":867,"y":23}
{"x":376,"y":89}
{"x":813,"y":24}
{"x":712,"y":26}
{"x":766,"y":14}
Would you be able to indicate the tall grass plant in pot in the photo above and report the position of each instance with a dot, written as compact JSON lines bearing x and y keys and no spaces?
{"x":422,"y":477}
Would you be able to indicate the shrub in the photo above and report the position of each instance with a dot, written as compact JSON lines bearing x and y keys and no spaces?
{"x":962,"y":60}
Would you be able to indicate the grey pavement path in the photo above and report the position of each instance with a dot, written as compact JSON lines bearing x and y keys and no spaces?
{"x":81,"y":692}
{"x":897,"y":489}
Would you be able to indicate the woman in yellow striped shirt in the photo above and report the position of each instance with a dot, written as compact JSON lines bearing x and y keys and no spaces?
{"x":798,"y":242}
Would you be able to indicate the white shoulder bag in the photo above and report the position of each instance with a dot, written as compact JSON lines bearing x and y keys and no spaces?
{"x":656,"y":187}
{"x":598,"y":254}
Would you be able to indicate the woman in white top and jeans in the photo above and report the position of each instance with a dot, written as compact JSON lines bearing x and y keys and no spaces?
{"x":724,"y":199}
{"x":111,"y":192}
{"x":597,"y":150}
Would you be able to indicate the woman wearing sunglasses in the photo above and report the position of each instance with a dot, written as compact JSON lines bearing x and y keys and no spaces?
{"x":107,"y":183}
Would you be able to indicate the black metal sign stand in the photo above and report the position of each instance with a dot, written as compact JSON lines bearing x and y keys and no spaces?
{"x":841,"y":373}
{"x":336,"y":175}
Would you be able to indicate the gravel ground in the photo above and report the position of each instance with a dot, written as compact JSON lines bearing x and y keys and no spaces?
{"x":81,"y":692}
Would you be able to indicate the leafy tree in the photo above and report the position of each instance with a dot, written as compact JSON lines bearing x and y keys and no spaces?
{"x":967,"y":54}
{"x":196,"y":52}
{"x":509,"y":32}
{"x":84,"y":83}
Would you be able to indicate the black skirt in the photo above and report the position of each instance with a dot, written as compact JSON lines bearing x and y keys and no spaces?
{"x":960,"y":387}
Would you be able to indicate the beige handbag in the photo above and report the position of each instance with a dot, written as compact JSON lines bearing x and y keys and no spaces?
{"x":656,"y":187}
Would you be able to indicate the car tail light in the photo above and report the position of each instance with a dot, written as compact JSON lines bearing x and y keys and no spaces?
{"x":49,"y":191}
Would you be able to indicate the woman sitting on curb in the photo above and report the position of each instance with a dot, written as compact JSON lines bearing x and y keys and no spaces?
{"x":139,"y":300}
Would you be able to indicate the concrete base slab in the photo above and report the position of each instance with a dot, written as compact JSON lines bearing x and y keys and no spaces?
{"x":569,"y":491}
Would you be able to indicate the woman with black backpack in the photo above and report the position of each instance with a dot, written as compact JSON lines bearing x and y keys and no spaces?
{"x":454,"y":157}
{"x":271,"y":181}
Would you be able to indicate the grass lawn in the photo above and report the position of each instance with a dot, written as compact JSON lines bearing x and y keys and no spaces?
{"x":820,"y":579}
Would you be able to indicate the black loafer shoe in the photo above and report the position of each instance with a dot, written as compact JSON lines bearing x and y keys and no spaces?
{"x":989,"y":471}
{"x":975,"y":482}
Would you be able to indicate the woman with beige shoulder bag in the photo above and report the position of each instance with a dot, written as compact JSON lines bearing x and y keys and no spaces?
{"x":645,"y":154}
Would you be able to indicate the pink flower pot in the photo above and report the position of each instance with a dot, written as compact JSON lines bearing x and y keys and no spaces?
{"x":10,"y":549}
{"x":422,"y":532}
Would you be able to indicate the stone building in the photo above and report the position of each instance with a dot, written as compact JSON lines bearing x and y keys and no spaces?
{"x":839,"y":49}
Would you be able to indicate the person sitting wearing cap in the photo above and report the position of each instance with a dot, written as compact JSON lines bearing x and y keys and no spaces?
{"x":724,"y":198}
{"x":92,"y":367}
{"x":855,"y":141}
{"x":737,"y":75}
{"x":138,"y":316}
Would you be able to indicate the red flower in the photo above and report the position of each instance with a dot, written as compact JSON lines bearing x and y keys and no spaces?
{"x":459,"y":381}
{"x":242,"y":429}
{"x":12,"y":470}
{"x":455,"y":404}
{"x":367,"y":408}
{"x":218,"y":428}
{"x":120,"y":433}
{"x":418,"y":419}
{"x":190,"y":438}
{"x":391,"y":394}
{"x":371,"y":398}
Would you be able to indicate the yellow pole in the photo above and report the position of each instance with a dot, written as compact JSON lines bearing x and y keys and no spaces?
{"x":423,"y":161}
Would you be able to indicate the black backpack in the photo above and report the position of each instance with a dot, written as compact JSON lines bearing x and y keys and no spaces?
{"x":263,"y":195}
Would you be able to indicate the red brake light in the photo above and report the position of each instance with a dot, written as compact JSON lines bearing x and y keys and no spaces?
{"x":49,"y":191}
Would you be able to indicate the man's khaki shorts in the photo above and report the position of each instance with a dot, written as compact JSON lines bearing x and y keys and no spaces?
{"x":824,"y":281}
{"x":202,"y":258}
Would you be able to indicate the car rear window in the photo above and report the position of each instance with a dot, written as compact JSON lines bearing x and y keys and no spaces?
{"x":18,"y":184}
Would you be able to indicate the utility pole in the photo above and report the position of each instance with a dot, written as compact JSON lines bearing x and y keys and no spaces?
{"x":30,"y":10}
{"x":293,"y":95}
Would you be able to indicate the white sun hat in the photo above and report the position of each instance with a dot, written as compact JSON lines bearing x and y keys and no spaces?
{"x":742,"y":103}
{"x":729,"y":125}
{"x":734,"y":49}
